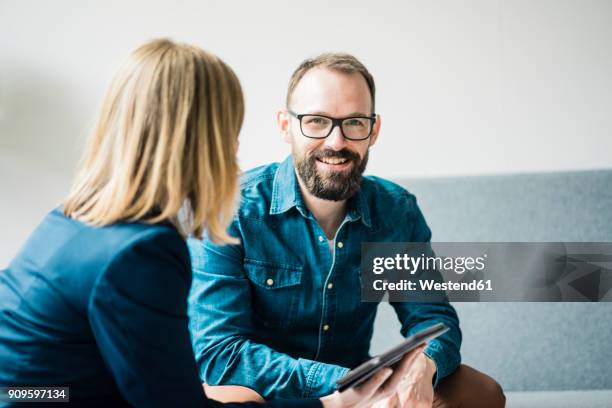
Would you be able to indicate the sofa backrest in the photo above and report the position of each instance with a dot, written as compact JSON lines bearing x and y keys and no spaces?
{"x":524,"y":346}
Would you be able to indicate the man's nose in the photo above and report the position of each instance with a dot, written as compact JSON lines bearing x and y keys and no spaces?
{"x":335,"y":140}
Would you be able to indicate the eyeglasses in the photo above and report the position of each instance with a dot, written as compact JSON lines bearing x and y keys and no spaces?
{"x":321,"y":126}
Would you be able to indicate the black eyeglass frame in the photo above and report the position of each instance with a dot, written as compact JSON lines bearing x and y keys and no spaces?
{"x":335,"y":122}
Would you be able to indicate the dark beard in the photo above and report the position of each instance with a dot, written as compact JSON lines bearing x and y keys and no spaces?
{"x":335,"y":186}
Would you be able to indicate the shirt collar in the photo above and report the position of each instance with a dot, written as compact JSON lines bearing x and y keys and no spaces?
{"x":358,"y":206}
{"x":286,"y":194}
{"x":285,"y":190}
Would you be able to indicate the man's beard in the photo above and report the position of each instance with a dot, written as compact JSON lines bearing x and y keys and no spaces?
{"x":334,"y":185}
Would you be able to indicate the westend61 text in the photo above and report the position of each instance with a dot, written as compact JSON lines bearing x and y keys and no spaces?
{"x":430,"y":284}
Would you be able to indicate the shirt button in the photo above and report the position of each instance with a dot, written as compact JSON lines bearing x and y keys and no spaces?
{"x":326,"y":327}
{"x":321,"y":239}
{"x":270,"y":282}
{"x":330,"y":285}
{"x":340,"y":244}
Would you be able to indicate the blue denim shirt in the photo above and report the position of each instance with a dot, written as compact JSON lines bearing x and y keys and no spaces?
{"x":280,"y":312}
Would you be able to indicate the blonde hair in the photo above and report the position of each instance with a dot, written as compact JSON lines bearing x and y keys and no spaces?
{"x":164,"y":145}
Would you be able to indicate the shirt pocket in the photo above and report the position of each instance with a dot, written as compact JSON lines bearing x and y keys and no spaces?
{"x":367,"y":298}
{"x":276,"y":291}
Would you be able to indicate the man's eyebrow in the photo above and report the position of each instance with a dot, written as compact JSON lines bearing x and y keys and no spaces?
{"x":350,"y":115}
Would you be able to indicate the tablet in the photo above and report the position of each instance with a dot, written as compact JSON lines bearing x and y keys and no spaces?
{"x":389,"y":358}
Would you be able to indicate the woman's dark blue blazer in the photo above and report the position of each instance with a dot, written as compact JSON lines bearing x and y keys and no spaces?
{"x":102,"y":310}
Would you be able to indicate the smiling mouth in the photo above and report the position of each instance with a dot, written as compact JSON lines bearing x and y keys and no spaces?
{"x":332,"y":160}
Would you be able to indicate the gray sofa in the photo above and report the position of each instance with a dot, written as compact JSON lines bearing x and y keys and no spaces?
{"x":543,"y":354}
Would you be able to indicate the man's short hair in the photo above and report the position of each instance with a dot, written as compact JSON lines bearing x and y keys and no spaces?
{"x":336,"y":61}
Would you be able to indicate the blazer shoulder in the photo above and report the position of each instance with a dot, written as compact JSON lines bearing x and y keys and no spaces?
{"x":153,"y":263}
{"x":151,"y":239}
{"x":146,"y":282}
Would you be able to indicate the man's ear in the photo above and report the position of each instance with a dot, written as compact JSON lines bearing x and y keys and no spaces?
{"x":283,"y":121}
{"x":375,"y":131}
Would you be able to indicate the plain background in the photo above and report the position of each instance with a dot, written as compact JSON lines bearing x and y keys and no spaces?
{"x":464,"y":87}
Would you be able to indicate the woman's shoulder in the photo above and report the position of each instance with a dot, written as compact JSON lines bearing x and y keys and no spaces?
{"x":66,"y":260}
{"x":150,"y":267}
{"x":105,"y":244}
{"x":126,"y":232}
{"x":144,"y":262}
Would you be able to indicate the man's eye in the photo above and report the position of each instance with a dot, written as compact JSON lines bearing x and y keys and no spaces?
{"x":317,"y":121}
{"x":353,"y":122}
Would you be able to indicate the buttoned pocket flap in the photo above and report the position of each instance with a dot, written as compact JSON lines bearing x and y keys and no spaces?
{"x":270,"y":275}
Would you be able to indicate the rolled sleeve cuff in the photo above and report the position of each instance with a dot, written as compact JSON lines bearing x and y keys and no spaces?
{"x":321,"y":378}
{"x":444,"y":367}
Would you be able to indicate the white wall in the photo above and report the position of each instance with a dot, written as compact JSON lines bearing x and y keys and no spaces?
{"x":464,"y":87}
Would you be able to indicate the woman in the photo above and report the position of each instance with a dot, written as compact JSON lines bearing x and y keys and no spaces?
{"x":96,"y":299}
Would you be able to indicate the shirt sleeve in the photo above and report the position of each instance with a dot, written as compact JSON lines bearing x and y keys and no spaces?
{"x":223,"y":334}
{"x":415,"y":316}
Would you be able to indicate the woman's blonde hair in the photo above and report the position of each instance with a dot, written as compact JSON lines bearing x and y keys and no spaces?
{"x":164,"y":145}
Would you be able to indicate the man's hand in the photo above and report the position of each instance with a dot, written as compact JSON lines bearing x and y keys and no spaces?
{"x":416,"y":389}
{"x":380,"y":386}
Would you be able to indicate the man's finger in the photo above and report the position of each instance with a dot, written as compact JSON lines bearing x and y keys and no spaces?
{"x":370,"y":387}
{"x":394,"y":401}
{"x":399,"y":371}
{"x":402,"y":368}
{"x":408,"y":359}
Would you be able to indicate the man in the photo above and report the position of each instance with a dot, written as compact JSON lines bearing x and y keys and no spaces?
{"x":280,"y":313}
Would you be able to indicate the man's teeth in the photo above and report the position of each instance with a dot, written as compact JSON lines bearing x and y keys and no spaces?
{"x":332,"y":160}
